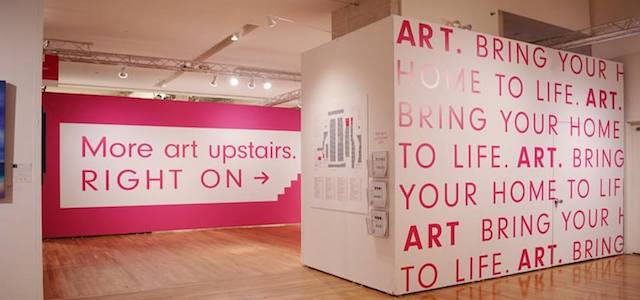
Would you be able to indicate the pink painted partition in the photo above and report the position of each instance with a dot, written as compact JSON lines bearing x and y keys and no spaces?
{"x":90,"y":109}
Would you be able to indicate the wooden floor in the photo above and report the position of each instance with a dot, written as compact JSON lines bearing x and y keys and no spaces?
{"x":259,"y":263}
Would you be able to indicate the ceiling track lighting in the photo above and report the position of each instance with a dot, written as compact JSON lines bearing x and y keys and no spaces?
{"x":123,"y":73}
{"x":234,"y":81}
{"x":267,"y":85}
{"x":214,"y":81}
{"x":117,"y":61}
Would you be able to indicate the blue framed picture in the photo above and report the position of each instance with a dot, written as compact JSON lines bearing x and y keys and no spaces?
{"x":3,"y":98}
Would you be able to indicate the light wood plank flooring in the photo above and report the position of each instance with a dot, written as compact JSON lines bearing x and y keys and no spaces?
{"x":263,"y":263}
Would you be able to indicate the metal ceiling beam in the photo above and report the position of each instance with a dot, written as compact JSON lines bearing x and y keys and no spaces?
{"x":66,"y":44}
{"x":595,"y":34}
{"x":169,"y":64}
{"x":184,"y":94}
{"x":284,"y":98}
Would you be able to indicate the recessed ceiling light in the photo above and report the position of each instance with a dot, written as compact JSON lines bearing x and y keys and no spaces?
{"x":251,"y":84}
{"x":234,"y":81}
{"x":267,"y":85}
{"x":235,"y":37}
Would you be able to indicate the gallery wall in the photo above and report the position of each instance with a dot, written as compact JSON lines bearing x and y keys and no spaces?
{"x":627,"y":51}
{"x":20,"y":227}
{"x":512,"y":156}
{"x":505,"y":157}
{"x":348,"y":75}
{"x":632,"y":180}
{"x":122,"y":165}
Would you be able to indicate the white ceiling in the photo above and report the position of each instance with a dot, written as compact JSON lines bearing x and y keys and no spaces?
{"x":183,"y":30}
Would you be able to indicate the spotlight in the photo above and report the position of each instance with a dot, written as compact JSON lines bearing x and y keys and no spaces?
{"x":234,"y":81}
{"x":272,"y":21}
{"x":235,"y":37}
{"x":214,"y":81}
{"x":123,"y":73}
{"x":267,"y":85}
{"x":252,"y":84}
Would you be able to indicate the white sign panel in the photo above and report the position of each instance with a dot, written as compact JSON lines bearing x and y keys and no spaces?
{"x":340,"y":157}
{"x":124,"y":165}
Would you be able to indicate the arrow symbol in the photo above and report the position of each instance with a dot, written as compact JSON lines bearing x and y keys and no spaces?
{"x":264,"y":177}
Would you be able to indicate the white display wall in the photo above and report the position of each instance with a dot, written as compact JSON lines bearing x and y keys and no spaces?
{"x":514,"y":156}
{"x":505,"y":157}
{"x":21,"y":25}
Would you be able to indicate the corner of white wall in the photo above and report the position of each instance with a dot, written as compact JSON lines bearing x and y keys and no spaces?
{"x":632,"y":151}
{"x":21,"y":29}
{"x":359,"y":63}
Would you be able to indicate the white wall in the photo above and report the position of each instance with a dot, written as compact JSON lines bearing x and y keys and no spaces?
{"x":627,"y":51}
{"x":20,"y":221}
{"x":572,"y":14}
{"x":632,"y":152}
{"x":350,"y":66}
{"x":632,"y":191}
{"x":631,"y":89}
{"x":445,"y":261}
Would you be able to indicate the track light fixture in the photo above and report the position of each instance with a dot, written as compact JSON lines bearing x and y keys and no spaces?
{"x":235,"y":37}
{"x":234,"y":80}
{"x":214,"y":81}
{"x":123,"y":73}
{"x":458,"y":24}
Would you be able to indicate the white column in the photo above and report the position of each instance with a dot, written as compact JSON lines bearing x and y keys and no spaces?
{"x":21,"y":33}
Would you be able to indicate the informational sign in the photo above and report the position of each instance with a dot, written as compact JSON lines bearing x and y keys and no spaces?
{"x":340,"y":158}
{"x":117,"y":165}
{"x":126,"y":165}
{"x":509,"y":156}
{"x":51,"y":69}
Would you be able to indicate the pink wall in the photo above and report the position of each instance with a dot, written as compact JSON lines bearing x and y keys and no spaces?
{"x":59,"y":222}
